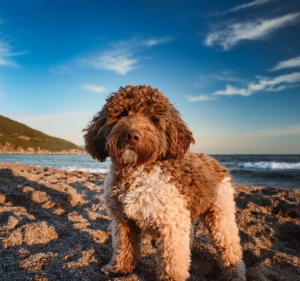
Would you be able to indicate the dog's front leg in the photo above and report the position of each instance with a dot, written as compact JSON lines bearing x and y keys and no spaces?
{"x":126,"y":237}
{"x":173,"y":249}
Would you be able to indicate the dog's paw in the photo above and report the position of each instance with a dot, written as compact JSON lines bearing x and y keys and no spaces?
{"x":236,"y":272}
{"x":111,"y":269}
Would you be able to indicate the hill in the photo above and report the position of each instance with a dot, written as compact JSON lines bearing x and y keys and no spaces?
{"x":16,"y":137}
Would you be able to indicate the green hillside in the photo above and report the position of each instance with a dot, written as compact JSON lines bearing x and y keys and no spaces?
{"x":18,"y":135}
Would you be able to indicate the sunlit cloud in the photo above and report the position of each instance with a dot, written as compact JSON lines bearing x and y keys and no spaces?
{"x":278,"y":83}
{"x":157,"y":41}
{"x":225,"y":76}
{"x":93,"y":88}
{"x":257,"y":29}
{"x":200,"y":98}
{"x":263,"y":84}
{"x":230,"y":91}
{"x":6,"y":54}
{"x":244,"y":6}
{"x":122,"y":57}
{"x":295,"y":62}
{"x":118,"y":61}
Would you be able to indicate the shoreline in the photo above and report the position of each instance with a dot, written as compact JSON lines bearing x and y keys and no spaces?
{"x":44,"y":152}
{"x":53,"y":226}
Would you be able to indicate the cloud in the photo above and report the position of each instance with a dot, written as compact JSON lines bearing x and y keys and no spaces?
{"x":278,"y":83}
{"x":200,"y":98}
{"x":6,"y":54}
{"x":157,"y":41}
{"x":93,"y":88}
{"x":205,"y":80}
{"x":257,"y":29}
{"x":295,"y":62}
{"x":263,"y":84}
{"x":230,"y":91}
{"x":244,"y":6}
{"x":118,"y":61}
{"x":123,"y":58}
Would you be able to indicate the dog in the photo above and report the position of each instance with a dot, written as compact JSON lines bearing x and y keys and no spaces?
{"x":155,"y":185}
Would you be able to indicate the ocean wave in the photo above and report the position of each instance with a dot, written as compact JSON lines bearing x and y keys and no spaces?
{"x":87,"y":170}
{"x":79,"y":169}
{"x":270,"y":165}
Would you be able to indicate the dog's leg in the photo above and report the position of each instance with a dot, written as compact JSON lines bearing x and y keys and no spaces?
{"x":126,"y":238}
{"x":192,"y":234}
{"x":223,"y":232}
{"x":173,"y":248}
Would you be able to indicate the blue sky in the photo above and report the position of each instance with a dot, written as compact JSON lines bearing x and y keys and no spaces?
{"x":232,"y":68}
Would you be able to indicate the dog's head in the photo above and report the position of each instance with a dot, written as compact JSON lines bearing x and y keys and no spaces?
{"x":137,"y":125}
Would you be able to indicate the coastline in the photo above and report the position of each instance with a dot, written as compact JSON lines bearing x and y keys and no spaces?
{"x":53,"y":226}
{"x":44,"y":152}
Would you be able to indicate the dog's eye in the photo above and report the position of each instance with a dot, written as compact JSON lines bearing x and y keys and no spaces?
{"x":124,"y":113}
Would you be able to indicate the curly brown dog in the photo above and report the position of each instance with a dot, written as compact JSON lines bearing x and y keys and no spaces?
{"x":154,"y":185}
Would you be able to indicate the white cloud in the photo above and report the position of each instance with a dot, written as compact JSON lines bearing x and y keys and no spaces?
{"x":122,"y":57}
{"x":205,"y":80}
{"x":275,"y":84}
{"x":6,"y":54}
{"x":245,"y":6}
{"x":200,"y":98}
{"x":263,"y":84}
{"x":93,"y":88}
{"x":257,"y":29}
{"x":295,"y":62}
{"x":157,"y":41}
{"x":118,"y":61}
{"x":230,"y":91}
{"x":278,"y":83}
{"x":65,"y":125}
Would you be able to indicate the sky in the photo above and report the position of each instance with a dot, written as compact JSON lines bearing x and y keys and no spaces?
{"x":232,"y":68}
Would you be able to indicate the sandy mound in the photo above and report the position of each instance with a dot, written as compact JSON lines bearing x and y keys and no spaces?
{"x":53,"y":226}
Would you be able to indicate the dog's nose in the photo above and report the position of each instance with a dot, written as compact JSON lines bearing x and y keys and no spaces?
{"x":132,"y":136}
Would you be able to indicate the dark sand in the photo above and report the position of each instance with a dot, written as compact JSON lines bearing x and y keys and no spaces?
{"x":53,"y":226}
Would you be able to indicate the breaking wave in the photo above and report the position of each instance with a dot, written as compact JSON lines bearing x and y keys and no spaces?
{"x":87,"y":170}
{"x":270,"y":165}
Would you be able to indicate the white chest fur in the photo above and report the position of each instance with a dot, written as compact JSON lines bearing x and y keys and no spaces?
{"x":152,"y":200}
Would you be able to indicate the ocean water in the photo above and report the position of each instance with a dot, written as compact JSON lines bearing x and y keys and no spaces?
{"x":281,"y":171}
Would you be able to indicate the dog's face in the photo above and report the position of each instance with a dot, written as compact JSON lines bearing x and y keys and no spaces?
{"x":137,"y":125}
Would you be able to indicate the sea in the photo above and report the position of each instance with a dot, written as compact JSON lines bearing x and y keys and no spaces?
{"x":280,"y":171}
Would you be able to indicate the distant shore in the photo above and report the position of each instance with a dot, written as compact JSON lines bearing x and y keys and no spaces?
{"x":53,"y":226}
{"x":42,"y":151}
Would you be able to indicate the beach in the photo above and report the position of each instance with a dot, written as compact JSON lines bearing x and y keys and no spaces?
{"x":54,"y":226}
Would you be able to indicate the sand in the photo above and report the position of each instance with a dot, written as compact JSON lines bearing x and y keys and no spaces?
{"x":53,"y":226}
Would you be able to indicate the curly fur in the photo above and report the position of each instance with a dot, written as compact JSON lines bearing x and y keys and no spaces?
{"x":155,"y":185}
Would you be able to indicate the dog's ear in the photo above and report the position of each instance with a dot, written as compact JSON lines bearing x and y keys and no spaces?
{"x":95,"y":136}
{"x":179,"y":137}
